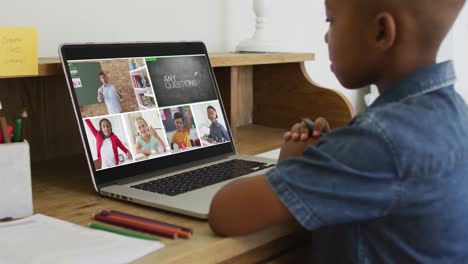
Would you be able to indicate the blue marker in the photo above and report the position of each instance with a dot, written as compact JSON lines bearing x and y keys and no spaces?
{"x":310,"y":125}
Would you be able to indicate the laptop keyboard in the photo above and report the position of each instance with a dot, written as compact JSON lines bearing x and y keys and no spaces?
{"x":199,"y":178}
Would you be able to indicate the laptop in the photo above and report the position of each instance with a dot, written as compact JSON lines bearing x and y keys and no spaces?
{"x":153,"y":125}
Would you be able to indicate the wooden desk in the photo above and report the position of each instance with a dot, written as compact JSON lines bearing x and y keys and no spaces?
{"x":63,"y":189}
{"x":263,"y":95}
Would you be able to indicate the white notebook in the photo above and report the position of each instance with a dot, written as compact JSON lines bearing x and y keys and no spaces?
{"x":43,"y":239}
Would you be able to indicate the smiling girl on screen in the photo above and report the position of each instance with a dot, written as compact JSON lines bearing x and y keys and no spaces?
{"x":148,"y":140}
{"x":107,"y":144}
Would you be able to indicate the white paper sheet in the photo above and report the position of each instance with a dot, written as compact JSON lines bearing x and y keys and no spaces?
{"x":43,"y":239}
{"x":273,"y":154}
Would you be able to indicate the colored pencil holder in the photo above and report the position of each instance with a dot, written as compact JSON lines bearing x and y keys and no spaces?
{"x":15,"y":180}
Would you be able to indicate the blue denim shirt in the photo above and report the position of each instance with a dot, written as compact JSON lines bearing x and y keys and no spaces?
{"x":392,"y":186}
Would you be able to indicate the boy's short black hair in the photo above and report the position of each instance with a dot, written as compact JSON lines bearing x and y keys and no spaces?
{"x":212,"y":108}
{"x":177,"y":115}
{"x":101,"y":73}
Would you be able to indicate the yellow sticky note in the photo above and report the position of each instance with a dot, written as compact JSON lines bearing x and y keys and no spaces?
{"x":18,"y":51}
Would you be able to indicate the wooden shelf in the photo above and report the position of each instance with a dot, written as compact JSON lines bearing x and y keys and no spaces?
{"x":52,"y":67}
{"x":246,"y":59}
{"x":46,"y":67}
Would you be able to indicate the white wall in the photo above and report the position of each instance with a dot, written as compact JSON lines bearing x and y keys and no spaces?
{"x":110,"y":20}
{"x":298,"y":24}
{"x":460,"y":52}
{"x":454,"y":48}
{"x":220,"y":24}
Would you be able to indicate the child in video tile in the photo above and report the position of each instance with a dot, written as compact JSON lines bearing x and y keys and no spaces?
{"x":148,"y":140}
{"x":182,"y":136}
{"x":107,"y":144}
{"x":217,"y":132}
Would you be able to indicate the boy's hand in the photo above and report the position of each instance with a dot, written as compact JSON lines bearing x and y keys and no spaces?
{"x":100,"y":95}
{"x":292,"y":149}
{"x":301,"y":132}
{"x":321,"y":126}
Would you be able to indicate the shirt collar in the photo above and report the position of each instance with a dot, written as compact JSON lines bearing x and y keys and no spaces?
{"x":420,"y":82}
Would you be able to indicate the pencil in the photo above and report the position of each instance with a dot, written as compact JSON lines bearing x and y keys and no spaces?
{"x":149,"y":226}
{"x":24,"y":115}
{"x":18,"y":129}
{"x":122,"y":231}
{"x":186,"y":229}
{"x":310,"y":126}
{"x":133,"y":226}
{"x":4,"y":127}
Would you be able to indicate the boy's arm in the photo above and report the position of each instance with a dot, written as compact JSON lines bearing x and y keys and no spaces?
{"x":258,"y":207}
{"x":232,"y":214}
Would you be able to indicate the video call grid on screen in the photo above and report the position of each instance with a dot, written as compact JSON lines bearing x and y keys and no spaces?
{"x":147,"y":101}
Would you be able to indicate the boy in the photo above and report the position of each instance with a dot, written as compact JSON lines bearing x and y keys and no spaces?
{"x":182,"y":136}
{"x":217,"y":132}
{"x":391,"y":187}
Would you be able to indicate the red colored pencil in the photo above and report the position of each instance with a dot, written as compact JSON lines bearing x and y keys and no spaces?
{"x":117,"y":222}
{"x":178,"y":231}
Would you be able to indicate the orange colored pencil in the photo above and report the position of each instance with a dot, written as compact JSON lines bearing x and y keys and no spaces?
{"x":178,"y":231}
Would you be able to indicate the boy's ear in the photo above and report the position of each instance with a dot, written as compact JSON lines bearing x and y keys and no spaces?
{"x":385,"y":34}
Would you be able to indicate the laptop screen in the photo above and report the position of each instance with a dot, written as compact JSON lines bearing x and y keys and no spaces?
{"x":160,"y":109}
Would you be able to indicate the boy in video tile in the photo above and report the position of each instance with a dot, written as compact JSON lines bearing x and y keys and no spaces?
{"x":182,"y":136}
{"x":217,"y":132}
